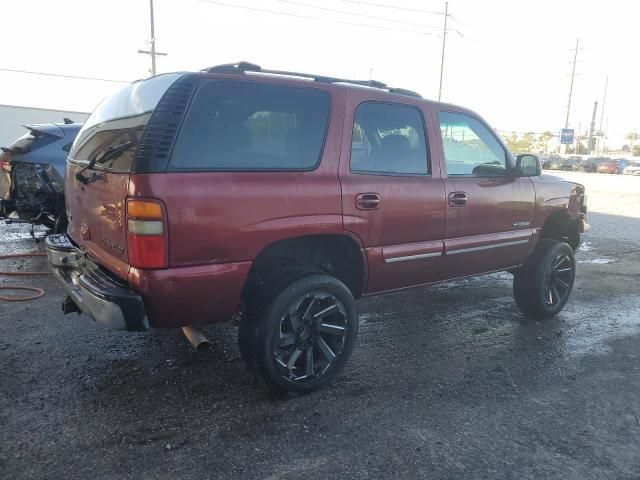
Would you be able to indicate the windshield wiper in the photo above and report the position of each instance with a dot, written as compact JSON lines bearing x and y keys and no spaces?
{"x":110,"y":153}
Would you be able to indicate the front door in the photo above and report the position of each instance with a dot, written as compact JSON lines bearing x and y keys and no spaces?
{"x":489,"y":213}
{"x":392,"y":199}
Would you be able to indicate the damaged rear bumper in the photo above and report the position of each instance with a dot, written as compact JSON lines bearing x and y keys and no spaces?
{"x":108,"y":301}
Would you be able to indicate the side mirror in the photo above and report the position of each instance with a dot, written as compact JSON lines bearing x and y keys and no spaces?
{"x":527,"y":165}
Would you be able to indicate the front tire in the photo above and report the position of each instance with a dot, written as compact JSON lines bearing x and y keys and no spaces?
{"x":543,"y":285}
{"x":305,"y":334}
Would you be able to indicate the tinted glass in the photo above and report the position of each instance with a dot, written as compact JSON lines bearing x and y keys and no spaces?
{"x":470,"y":148}
{"x":118,"y":119}
{"x":252,"y":126}
{"x":388,"y":138}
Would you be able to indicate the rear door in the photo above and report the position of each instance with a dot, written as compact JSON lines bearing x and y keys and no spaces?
{"x":393,"y":197}
{"x":489,"y":213}
{"x":95,"y":197}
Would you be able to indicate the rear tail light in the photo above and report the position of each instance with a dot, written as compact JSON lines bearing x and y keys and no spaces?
{"x":146,"y":234}
{"x":5,"y":166}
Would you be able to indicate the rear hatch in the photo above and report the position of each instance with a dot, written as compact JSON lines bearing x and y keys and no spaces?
{"x":97,"y":182}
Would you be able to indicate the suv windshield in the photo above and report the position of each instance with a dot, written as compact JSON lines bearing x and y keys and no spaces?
{"x":119,"y":119}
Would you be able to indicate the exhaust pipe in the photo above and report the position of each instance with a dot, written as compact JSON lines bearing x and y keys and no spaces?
{"x":196,"y":338}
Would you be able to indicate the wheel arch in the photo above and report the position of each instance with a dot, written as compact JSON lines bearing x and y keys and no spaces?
{"x":337,"y":254}
{"x":561,"y":226}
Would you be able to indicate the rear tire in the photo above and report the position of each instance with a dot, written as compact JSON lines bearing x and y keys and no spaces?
{"x":543,"y":285}
{"x":304,"y":331}
{"x":257,"y":300}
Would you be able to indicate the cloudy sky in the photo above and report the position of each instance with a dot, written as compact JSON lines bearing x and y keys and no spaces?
{"x":508,"y":60}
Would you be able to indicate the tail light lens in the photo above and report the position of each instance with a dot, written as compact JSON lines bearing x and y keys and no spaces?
{"x":5,"y":166}
{"x":146,"y":234}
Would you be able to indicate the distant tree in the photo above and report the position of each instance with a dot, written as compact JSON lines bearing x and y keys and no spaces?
{"x":582,"y":149}
{"x":632,"y":137}
{"x":636,"y":151}
{"x":510,"y":139}
{"x":626,"y":148}
{"x":543,"y":141}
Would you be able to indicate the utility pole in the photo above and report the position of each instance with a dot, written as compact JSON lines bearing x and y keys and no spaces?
{"x":593,"y":127}
{"x":152,"y":51}
{"x":604,"y":99}
{"x":573,"y":74}
{"x":444,"y":41}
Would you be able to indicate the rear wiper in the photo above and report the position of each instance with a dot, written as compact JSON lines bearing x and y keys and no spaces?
{"x":110,"y":153}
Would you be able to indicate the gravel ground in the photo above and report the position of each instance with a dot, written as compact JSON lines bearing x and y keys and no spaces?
{"x":447,"y":382}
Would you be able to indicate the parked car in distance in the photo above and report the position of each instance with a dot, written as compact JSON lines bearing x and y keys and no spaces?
{"x":632,"y":169}
{"x":569,"y":163}
{"x":616,"y":165}
{"x":588,"y":165}
{"x":556,"y":163}
{"x":283,"y":197}
{"x":36,"y":164}
{"x":547,"y":160}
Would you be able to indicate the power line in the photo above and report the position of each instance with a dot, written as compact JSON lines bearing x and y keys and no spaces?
{"x":77,"y":77}
{"x":394,"y":7}
{"x":344,"y":12}
{"x":455,"y":19}
{"x":309,"y":17}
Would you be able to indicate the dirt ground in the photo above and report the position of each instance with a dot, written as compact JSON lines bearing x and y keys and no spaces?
{"x":446,"y":382}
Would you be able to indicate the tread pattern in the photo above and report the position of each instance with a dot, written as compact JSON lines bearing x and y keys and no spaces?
{"x":258,"y":302}
{"x":527,"y":282}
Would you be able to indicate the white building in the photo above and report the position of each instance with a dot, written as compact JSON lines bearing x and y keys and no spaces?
{"x":12,"y":119}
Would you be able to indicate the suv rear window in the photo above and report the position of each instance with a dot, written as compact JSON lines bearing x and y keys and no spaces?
{"x":120,"y":118}
{"x":236,"y":126}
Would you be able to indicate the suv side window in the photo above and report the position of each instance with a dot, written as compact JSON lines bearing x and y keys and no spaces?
{"x":240,"y":126}
{"x":470,"y":148}
{"x":389,"y":139}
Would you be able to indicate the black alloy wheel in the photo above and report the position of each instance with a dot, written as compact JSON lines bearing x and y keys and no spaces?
{"x":559,"y":280}
{"x":304,"y":333}
{"x":311,"y":336}
{"x":542,"y":286}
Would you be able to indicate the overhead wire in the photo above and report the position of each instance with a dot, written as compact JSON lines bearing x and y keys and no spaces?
{"x":393,"y":7}
{"x":310,"y":17}
{"x":466,"y":25}
{"x":361,"y":15}
{"x":296,"y":15}
{"x":78,"y":77}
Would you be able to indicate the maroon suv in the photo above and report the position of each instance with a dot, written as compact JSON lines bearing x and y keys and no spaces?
{"x":284,"y":196}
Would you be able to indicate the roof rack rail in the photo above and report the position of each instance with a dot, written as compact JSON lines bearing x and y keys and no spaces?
{"x":242,"y":67}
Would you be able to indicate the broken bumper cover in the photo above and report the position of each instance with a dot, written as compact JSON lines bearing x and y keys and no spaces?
{"x":108,"y":301}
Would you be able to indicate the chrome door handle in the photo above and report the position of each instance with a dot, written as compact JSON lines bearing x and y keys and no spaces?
{"x":368,"y":201}
{"x":458,"y":199}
